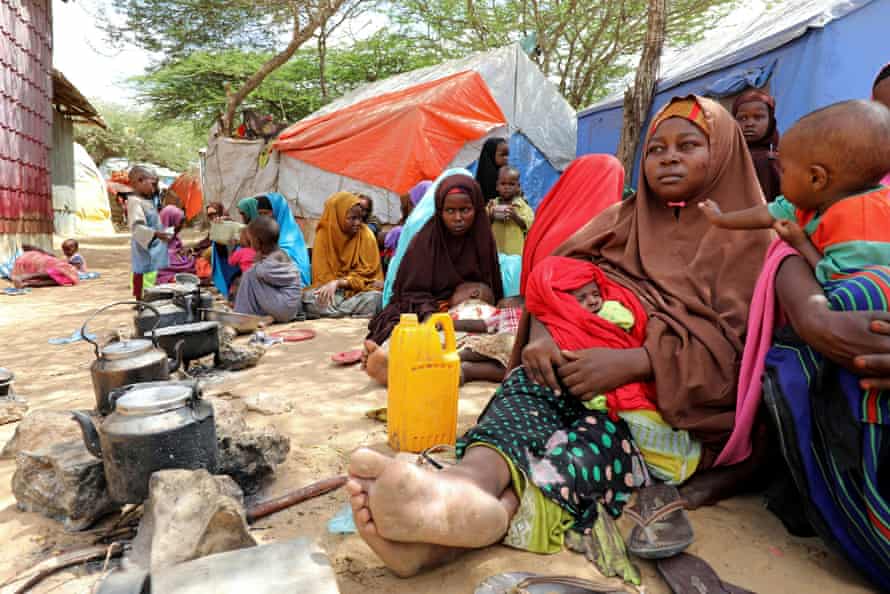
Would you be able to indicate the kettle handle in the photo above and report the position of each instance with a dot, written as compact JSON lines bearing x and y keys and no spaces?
{"x":83,"y":329}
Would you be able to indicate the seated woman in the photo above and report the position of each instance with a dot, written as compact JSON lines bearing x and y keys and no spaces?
{"x":290,"y":242}
{"x":271,"y":287}
{"x":178,"y":258}
{"x":455,"y":246}
{"x":346,"y":272}
{"x":539,"y":462}
{"x":202,"y":251}
{"x":39,"y":268}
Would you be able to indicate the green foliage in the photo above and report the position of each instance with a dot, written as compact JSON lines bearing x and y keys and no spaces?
{"x":135,"y":136}
{"x":192,"y":88}
{"x":586,"y":45}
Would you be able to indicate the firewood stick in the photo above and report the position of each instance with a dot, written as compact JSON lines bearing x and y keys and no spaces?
{"x":48,"y":567}
{"x":265,"y":508}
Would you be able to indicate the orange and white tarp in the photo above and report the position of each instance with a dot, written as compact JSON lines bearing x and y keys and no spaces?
{"x":188,"y":188}
{"x":395,"y":139}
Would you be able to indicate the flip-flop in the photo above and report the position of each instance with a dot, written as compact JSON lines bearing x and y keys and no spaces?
{"x":531,"y":583}
{"x":347,"y":357}
{"x":688,"y":574}
{"x":662,"y":527}
{"x":297,"y":335}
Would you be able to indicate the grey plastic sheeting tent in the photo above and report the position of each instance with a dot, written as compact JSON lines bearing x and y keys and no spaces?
{"x":812,"y":54}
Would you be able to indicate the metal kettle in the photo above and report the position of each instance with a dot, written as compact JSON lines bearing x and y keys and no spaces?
{"x":128,"y":361}
{"x":152,"y":426}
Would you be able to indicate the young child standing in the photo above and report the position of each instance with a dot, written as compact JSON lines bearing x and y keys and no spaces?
{"x":834,"y":210}
{"x":148,"y":246}
{"x":70,"y":248}
{"x":511,"y":216}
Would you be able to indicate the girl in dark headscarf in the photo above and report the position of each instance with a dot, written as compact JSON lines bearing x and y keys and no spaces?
{"x":454,"y":247}
{"x":493,"y":156}
{"x":755,"y":112}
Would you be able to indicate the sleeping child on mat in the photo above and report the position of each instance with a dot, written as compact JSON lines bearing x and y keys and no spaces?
{"x":834,"y":210}
{"x":583,"y":309}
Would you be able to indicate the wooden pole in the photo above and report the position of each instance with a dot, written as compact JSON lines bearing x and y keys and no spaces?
{"x":638,"y":99}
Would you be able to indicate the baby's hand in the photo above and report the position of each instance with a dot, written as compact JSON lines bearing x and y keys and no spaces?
{"x":791,"y":233}
{"x":711,"y":211}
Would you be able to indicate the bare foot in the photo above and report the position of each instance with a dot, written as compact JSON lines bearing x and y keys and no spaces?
{"x":402,"y":558}
{"x":376,"y":362}
{"x":409,"y":504}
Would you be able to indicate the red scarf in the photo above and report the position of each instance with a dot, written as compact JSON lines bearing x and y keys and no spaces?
{"x":589,"y":185}
{"x":574,"y":328}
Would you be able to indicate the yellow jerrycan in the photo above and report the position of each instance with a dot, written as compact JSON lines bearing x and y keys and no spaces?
{"x":424,"y":381}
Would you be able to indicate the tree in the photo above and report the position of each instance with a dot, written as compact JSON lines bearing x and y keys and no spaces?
{"x":191,"y":89}
{"x":584,"y":44}
{"x":638,"y":99}
{"x":133,"y":135}
{"x":176,"y":28}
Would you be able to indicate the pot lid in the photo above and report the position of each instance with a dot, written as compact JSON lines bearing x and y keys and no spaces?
{"x":192,"y":328}
{"x":153,"y":399}
{"x":126,"y":348}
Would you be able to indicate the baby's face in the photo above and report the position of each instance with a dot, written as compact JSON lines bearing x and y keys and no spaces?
{"x":69,"y":249}
{"x":589,"y":297}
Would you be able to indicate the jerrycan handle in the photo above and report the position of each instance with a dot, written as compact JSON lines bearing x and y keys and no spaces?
{"x":447,"y":325}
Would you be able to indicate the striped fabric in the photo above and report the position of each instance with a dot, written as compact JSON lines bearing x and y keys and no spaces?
{"x":846,"y":501}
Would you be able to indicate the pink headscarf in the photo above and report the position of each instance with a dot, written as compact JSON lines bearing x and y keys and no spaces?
{"x":171,"y":216}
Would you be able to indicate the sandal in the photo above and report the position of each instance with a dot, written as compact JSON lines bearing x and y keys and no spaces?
{"x":663,"y":529}
{"x":425,"y":457}
{"x":688,"y":574}
{"x":531,"y":583}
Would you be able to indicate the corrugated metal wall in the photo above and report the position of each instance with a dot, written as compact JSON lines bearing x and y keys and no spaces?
{"x":25,"y":118}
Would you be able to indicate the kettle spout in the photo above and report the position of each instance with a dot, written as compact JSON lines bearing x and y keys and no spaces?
{"x":90,"y":435}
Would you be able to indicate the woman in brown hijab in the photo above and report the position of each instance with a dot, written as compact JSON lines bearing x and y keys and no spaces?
{"x":695,"y":285}
{"x":455,"y":246}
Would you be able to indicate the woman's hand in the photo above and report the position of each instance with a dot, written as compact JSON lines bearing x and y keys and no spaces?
{"x":326,"y":292}
{"x":589,"y":373}
{"x":875,"y":368}
{"x":541,"y":356}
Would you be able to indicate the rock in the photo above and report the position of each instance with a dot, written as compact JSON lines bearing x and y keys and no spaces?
{"x":40,"y":428}
{"x":236,"y":358}
{"x":252,"y":455}
{"x":247,"y":455}
{"x":228,"y":418}
{"x":267,"y":404}
{"x":12,"y":409}
{"x":62,"y":481}
{"x":189,"y":514}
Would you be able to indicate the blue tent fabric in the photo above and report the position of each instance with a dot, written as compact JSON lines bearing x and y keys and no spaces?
{"x":511,"y":273}
{"x":832,"y":62}
{"x":738,"y":80}
{"x":536,"y":174}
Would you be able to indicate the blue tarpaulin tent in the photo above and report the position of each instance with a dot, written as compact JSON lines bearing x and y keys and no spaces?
{"x":809,"y":53}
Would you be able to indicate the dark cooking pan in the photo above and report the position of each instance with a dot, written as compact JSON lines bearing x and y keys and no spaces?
{"x":199,"y":340}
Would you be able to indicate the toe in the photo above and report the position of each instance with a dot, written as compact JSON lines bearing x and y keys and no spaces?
{"x":367,"y":464}
{"x":359,"y":501}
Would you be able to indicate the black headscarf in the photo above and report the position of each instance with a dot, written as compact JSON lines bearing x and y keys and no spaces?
{"x":437,"y":262}
{"x":487,"y":170}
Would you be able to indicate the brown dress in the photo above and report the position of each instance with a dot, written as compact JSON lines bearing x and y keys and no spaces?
{"x":694,"y":280}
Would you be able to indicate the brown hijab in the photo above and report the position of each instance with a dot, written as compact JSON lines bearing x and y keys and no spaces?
{"x":437,"y":262}
{"x":694,"y":280}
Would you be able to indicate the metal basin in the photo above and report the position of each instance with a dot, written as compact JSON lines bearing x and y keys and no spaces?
{"x":241,"y":323}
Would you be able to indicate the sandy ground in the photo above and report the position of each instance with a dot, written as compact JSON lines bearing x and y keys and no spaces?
{"x":744,"y":542}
